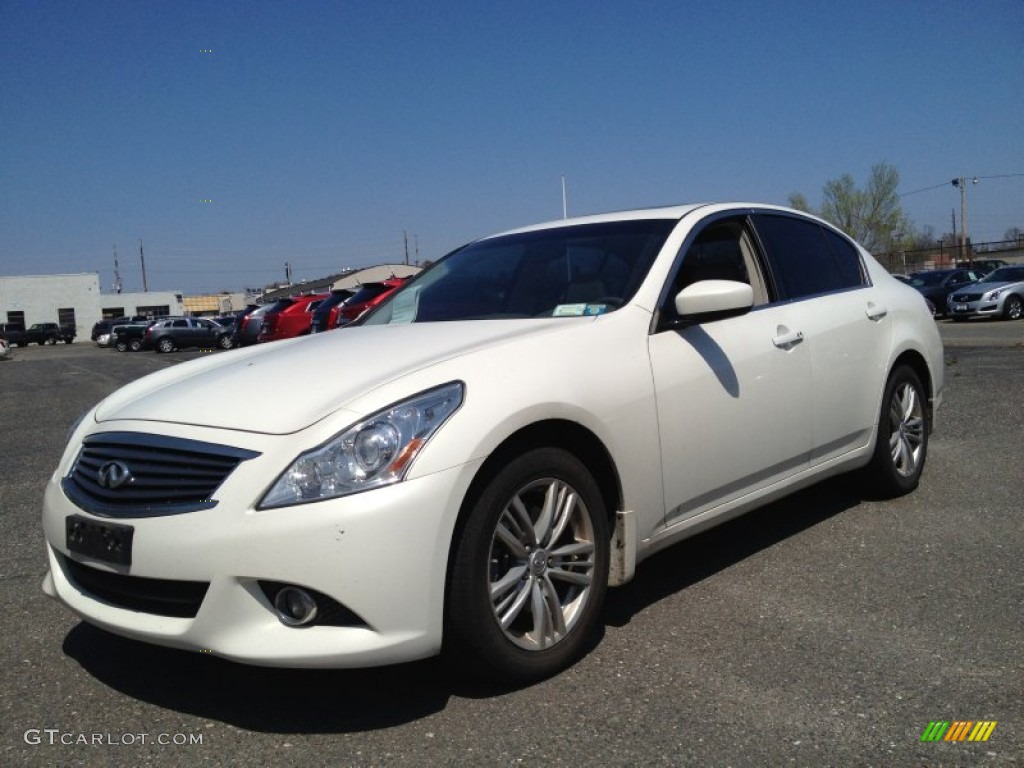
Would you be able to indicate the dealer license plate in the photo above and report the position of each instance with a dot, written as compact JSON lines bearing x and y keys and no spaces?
{"x":959,"y":307}
{"x":110,"y":542}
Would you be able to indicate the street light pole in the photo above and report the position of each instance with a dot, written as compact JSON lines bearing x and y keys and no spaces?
{"x":961,"y":182}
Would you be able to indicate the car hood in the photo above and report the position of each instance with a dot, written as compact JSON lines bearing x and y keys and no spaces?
{"x":285,"y":386}
{"x":984,"y":287}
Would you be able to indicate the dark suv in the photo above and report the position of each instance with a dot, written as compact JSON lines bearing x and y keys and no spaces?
{"x":183,"y":332}
{"x":368,"y":296}
{"x":937,"y":284}
{"x":103,"y":327}
{"x":326,"y":315}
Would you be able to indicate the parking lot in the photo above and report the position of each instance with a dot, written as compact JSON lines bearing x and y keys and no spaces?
{"x":825,"y":629}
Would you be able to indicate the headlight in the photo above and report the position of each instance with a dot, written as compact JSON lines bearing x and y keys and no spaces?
{"x":993,"y":294}
{"x":375,"y":452}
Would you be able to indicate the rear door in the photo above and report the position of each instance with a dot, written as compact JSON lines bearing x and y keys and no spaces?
{"x":847,"y":330}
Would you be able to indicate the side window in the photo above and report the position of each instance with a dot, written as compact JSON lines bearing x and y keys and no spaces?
{"x":723,"y":250}
{"x":851,"y":269}
{"x":800,"y":258}
{"x":180,"y":324}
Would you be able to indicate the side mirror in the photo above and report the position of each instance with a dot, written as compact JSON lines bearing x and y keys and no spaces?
{"x":712,"y":300}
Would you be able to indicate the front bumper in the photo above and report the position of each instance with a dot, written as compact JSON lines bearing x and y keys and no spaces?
{"x":979,"y":308}
{"x":382,"y":554}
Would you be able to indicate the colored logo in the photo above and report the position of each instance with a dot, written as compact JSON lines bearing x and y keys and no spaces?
{"x":958,"y":730}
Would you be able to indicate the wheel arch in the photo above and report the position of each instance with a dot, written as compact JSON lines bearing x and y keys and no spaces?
{"x":916,"y":362}
{"x":552,"y":433}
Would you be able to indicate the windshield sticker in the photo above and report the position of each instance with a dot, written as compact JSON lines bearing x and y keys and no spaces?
{"x":570,"y":310}
{"x":578,"y":310}
{"x":404,"y":306}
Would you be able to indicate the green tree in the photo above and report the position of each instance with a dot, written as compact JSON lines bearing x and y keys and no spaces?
{"x":872,"y":215}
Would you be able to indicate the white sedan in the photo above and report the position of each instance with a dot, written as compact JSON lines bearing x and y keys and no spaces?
{"x":530,"y":418}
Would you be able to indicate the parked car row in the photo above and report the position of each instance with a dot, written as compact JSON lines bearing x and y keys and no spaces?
{"x":961,"y":293}
{"x":39,"y":333}
{"x":282,"y":319}
{"x":314,"y":313}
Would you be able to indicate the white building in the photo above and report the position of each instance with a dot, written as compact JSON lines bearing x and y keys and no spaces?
{"x":75,"y":300}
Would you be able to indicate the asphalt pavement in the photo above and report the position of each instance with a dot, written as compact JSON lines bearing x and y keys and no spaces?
{"x":826,"y":629}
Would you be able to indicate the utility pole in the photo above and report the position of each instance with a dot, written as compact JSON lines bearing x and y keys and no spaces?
{"x":961,"y":182}
{"x":405,"y":238}
{"x":565,"y":200}
{"x":142,"y":258}
{"x":117,"y":274}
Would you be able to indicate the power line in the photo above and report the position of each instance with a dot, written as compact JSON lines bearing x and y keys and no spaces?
{"x":947,"y":183}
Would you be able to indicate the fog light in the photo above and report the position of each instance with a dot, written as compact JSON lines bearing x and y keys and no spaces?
{"x":295,"y":607}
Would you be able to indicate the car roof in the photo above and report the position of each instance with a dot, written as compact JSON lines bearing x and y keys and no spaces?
{"x":663,"y":212}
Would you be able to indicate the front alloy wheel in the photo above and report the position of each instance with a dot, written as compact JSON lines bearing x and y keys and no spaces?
{"x":531,"y":569}
{"x":1013,"y":309}
{"x":902,"y":442}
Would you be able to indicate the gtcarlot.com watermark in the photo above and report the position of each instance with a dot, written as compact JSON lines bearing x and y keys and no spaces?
{"x":55,"y":736}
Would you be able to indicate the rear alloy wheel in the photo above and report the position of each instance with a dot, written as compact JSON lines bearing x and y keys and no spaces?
{"x":530,"y":570}
{"x":225,"y":341}
{"x":121,"y":346}
{"x":166,"y":344}
{"x":901,"y":446}
{"x":134,"y":345}
{"x":1013,"y":307}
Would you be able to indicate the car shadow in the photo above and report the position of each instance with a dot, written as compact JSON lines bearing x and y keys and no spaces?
{"x":339,"y":701}
{"x":693,"y":560}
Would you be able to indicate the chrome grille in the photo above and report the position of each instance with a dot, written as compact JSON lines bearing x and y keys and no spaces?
{"x":967,"y":297}
{"x":133,"y":474}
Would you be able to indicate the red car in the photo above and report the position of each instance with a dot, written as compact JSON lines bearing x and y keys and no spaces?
{"x":369,"y":295}
{"x":289,"y":317}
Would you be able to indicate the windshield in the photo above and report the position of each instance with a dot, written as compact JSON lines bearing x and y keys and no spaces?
{"x":927,"y":278}
{"x":1005,"y":275}
{"x":586,"y":269}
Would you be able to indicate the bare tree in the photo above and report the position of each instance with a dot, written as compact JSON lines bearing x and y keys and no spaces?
{"x":872,"y":215}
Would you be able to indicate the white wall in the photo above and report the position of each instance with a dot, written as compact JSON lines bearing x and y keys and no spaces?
{"x":41,"y":296}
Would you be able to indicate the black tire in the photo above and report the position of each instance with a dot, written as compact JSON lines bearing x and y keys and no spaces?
{"x":121,"y":345}
{"x":134,"y":345}
{"x":566,"y":570}
{"x":901,"y":446}
{"x":52,"y":340}
{"x":225,"y":341}
{"x":1013,"y":308}
{"x":166,"y":344}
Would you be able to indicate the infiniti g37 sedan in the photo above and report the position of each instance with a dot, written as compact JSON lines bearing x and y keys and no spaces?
{"x":531,"y":418}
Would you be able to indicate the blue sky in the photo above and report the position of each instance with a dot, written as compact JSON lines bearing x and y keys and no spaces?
{"x":321,"y":131}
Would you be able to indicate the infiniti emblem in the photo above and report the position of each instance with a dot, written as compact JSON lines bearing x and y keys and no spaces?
{"x":114,"y":474}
